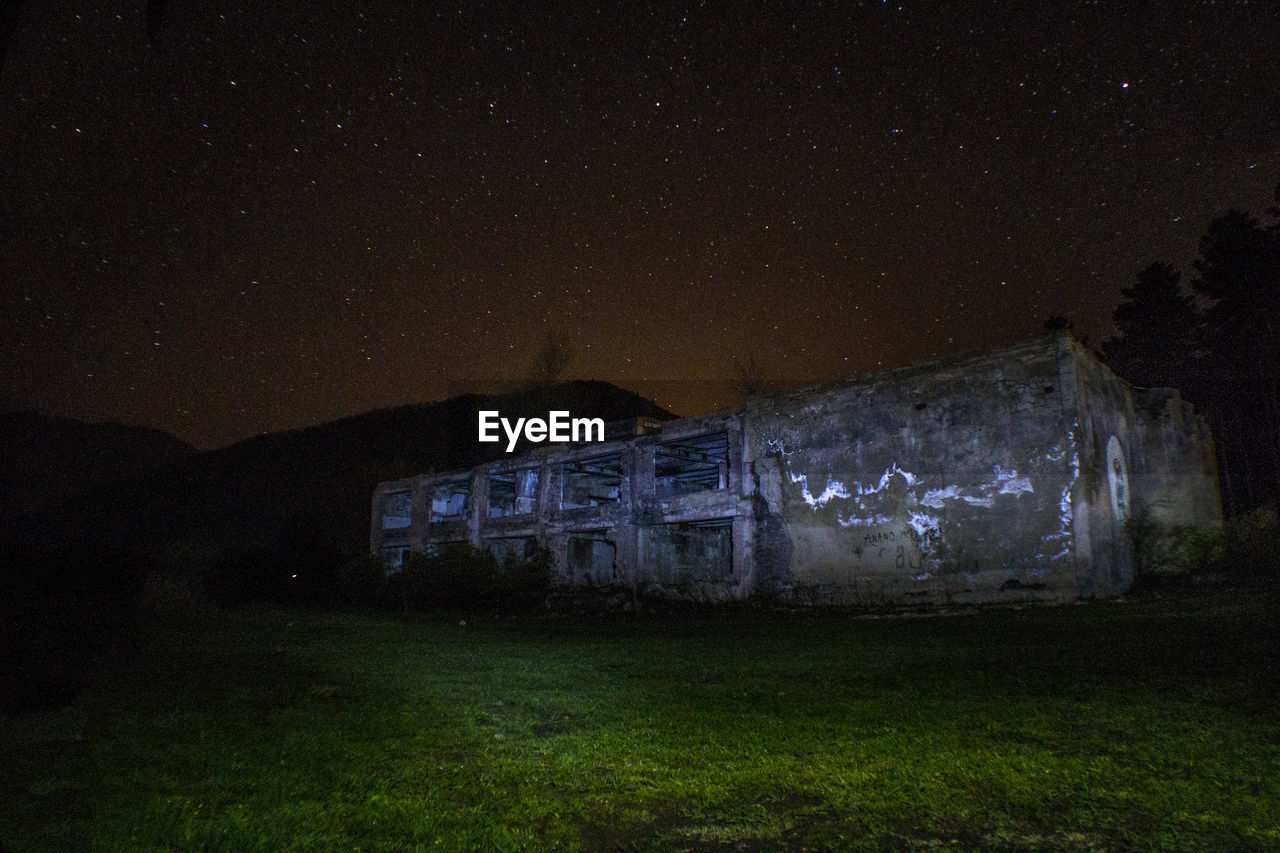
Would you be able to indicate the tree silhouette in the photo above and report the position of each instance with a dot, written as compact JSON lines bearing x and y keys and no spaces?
{"x":1159,"y":326}
{"x":1220,"y":344}
{"x":748,"y":376}
{"x":1239,"y":278}
{"x":552,"y":360}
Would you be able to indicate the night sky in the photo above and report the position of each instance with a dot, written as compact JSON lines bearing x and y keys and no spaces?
{"x":275,"y":214}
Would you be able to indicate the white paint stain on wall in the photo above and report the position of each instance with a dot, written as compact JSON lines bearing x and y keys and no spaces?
{"x":886,"y":476}
{"x":862,"y":520}
{"x":928,"y":534}
{"x":923,"y":524}
{"x":937,"y":498}
{"x":1064,"y":501}
{"x":1075,"y":456}
{"x":836,"y":489}
{"x":1010,"y":483}
{"x":984,"y":494}
{"x":833,"y":489}
{"x":857,"y":511}
{"x":1063,"y":535}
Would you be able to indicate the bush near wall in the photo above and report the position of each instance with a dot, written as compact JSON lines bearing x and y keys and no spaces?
{"x":1245,"y":546}
{"x":457,"y":576}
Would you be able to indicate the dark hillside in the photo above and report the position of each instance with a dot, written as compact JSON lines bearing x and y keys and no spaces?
{"x":308,"y":491}
{"x":46,"y":460}
{"x":114,"y":516}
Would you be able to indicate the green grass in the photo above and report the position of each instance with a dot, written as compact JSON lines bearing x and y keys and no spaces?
{"x":1147,"y":724}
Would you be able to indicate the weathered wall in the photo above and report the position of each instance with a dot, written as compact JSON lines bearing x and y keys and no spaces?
{"x":1176,"y":470}
{"x":925,"y":486}
{"x":1140,"y":450}
{"x":689,"y":545}
{"x":1104,"y":492}
{"x":1004,"y":477}
{"x":391,"y":533}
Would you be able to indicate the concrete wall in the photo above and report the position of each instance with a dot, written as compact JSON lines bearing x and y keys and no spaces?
{"x":1140,"y":449}
{"x":1103,"y":493}
{"x":994,"y":478}
{"x":930,"y":485}
{"x":1176,"y":470}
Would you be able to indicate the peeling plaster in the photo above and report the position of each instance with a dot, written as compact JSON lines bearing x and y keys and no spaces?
{"x":1002,"y":483}
{"x":859,"y":521}
{"x":923,"y":524}
{"x":928,"y":531}
{"x":836,"y":489}
{"x":1011,"y":483}
{"x":1064,"y":503}
{"x":935,"y":497}
{"x":833,"y":489}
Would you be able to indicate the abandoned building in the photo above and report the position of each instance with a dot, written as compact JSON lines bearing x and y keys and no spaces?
{"x":999,"y":477}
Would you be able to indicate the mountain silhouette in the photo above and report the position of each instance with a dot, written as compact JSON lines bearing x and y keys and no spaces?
{"x":46,"y":460}
{"x":303,"y":491}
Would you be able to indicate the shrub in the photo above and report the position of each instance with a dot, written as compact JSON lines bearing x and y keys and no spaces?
{"x":175,"y":582}
{"x":1146,"y":536}
{"x":463,"y":576}
{"x":524,"y":582}
{"x":1244,"y":545}
{"x":1162,"y":549}
{"x":359,"y":581}
{"x":1249,"y":544}
{"x":241,"y":575}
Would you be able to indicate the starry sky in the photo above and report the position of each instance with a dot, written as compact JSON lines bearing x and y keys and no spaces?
{"x":227,"y":218}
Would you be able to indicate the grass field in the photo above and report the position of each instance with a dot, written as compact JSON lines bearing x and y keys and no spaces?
{"x":1146,"y":724}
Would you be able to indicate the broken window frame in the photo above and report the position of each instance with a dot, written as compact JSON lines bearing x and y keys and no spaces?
{"x":674,"y":571}
{"x":403,"y":499}
{"x":684,"y":466}
{"x":392,"y":557}
{"x":520,"y":480}
{"x":573,"y":568}
{"x":454,"y":488}
{"x":596,"y":474}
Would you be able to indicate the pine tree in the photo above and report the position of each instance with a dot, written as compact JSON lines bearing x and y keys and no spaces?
{"x":1239,"y":277}
{"x":1158,"y":345}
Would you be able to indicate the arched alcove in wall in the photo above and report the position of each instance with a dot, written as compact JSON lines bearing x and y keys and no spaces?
{"x":1118,"y":480}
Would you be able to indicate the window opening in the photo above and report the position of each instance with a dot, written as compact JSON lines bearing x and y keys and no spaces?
{"x":691,"y":465}
{"x":688,"y":552}
{"x":591,"y":559}
{"x":449,"y":501}
{"x":393,"y":557}
{"x":511,"y":548}
{"x":592,"y":482}
{"x":397,"y":510}
{"x":513,"y":493}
